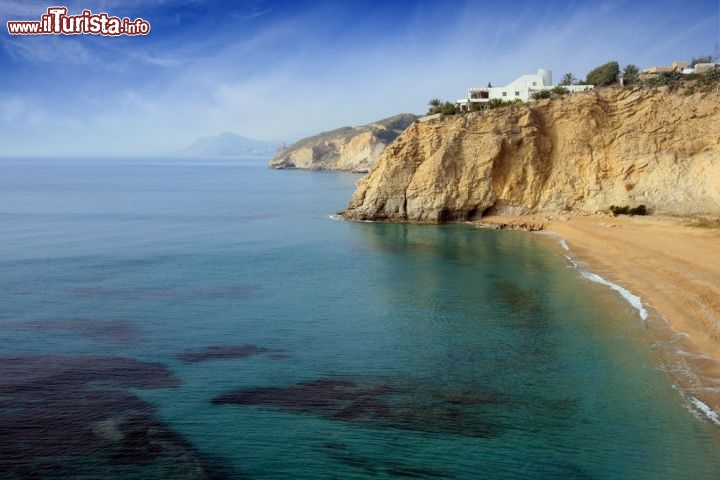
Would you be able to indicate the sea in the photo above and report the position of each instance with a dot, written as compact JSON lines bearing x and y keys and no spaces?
{"x":208,"y":318}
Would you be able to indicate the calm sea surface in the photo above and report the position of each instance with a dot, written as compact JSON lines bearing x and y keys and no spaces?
{"x":194,"y":319}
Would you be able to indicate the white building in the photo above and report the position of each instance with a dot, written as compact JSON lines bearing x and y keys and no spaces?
{"x":520,"y":89}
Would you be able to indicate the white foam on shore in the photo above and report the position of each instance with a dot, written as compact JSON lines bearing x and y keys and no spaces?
{"x":633,"y":300}
{"x":698,"y":408}
{"x":705,"y":409}
{"x":684,"y":353}
{"x":555,"y":236}
{"x":339,"y":218}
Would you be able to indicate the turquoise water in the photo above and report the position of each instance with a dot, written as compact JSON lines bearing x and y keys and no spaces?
{"x":191,"y":319}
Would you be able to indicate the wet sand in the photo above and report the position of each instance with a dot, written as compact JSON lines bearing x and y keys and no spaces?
{"x":673,"y":264}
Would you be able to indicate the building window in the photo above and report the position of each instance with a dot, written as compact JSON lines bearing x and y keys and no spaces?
{"x":479,"y":94}
{"x":504,"y":94}
{"x":517,"y":94}
{"x":534,"y":84}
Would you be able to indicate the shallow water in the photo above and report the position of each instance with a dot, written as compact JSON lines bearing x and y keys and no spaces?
{"x":188,"y":318}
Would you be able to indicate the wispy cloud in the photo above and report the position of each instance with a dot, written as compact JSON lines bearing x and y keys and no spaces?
{"x":21,"y":10}
{"x":26,"y":113}
{"x":160,"y":61}
{"x":17,"y":111}
{"x":246,"y":17}
{"x":46,"y":49}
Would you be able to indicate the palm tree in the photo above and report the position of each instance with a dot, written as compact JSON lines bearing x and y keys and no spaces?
{"x":568,"y":79}
{"x":435,"y":102}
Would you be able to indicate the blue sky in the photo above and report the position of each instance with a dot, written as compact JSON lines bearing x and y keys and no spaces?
{"x":276,"y":69}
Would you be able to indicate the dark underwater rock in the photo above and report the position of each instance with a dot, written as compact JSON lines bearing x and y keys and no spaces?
{"x":69,"y":417}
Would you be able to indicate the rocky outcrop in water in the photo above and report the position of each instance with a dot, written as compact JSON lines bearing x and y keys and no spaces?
{"x":583,"y":154}
{"x":353,"y":149}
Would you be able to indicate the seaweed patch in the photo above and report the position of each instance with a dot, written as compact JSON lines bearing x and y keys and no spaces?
{"x":106,"y":330}
{"x":404,"y":405}
{"x":225,"y":352}
{"x":74,"y":416}
{"x":344,"y":455}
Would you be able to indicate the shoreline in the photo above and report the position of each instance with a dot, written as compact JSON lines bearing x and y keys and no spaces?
{"x":670,"y":264}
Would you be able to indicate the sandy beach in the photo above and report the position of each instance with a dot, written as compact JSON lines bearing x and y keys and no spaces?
{"x":673,"y":264}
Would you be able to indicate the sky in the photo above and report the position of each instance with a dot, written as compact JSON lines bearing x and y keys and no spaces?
{"x":285,"y":69}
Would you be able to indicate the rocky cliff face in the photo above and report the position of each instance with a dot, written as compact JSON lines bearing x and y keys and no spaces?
{"x":583,"y":154}
{"x":353,"y":149}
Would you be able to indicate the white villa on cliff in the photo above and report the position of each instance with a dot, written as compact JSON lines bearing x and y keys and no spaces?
{"x":521,"y":89}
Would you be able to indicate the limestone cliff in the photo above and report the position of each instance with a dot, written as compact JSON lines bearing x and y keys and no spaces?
{"x":352,"y":149}
{"x":583,"y":154}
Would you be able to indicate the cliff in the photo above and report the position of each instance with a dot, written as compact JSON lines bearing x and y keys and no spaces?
{"x":352,"y":149}
{"x":582,"y":154}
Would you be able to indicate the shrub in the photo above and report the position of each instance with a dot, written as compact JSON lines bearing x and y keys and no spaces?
{"x":639,"y":210}
{"x":495,"y":103}
{"x":701,"y":59}
{"x":541,"y":94}
{"x":672,"y":80}
{"x":449,"y":109}
{"x":631,"y":73}
{"x":708,"y":81}
{"x":616,"y":210}
{"x":626,"y":210}
{"x":477,"y":106}
{"x":606,"y":74}
{"x":438,"y":106}
{"x":685,"y":83}
{"x":500,"y":103}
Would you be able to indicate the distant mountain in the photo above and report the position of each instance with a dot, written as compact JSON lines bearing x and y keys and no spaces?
{"x":231,"y":145}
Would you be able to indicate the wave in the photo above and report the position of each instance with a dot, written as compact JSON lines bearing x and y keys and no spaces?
{"x":705,"y":410}
{"x":632,"y":299}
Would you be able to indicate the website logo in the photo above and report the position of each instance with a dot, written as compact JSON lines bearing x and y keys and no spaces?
{"x":57,"y":22}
